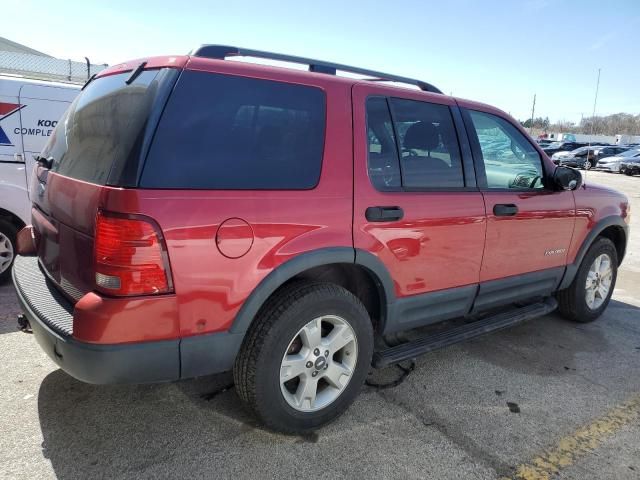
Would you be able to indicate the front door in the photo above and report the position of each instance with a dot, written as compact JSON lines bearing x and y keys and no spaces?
{"x":529,"y":223}
{"x":416,"y":207}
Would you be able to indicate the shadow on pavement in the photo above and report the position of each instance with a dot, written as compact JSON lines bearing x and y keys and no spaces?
{"x":194,"y":428}
{"x":93,"y":431}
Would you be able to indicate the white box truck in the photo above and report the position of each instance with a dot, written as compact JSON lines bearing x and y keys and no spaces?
{"x":29,"y":111}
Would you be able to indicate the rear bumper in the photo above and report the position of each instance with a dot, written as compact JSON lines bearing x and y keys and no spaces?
{"x":50,"y":315}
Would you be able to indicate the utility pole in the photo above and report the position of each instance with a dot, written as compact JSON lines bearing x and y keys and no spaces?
{"x":593,"y":118}
{"x":533,"y":109}
{"x":595,"y":101}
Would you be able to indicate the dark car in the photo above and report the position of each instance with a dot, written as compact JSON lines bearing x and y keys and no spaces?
{"x":630,"y":167}
{"x":562,"y":147}
{"x":193,"y":215}
{"x":610,"y":151}
{"x":586,"y":157}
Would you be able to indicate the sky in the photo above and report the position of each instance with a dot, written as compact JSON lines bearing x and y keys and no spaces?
{"x":497,"y":52}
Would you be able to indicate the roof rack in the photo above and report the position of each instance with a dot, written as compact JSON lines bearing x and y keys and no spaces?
{"x":221,"y":52}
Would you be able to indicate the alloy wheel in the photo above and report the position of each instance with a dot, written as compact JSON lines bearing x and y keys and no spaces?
{"x":598,"y":282}
{"x":6,"y":252}
{"x":318,"y":363}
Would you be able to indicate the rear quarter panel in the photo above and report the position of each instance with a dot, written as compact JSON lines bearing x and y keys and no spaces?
{"x":210,"y":287}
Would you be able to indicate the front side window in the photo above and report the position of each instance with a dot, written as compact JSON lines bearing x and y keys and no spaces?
{"x":510,"y":161}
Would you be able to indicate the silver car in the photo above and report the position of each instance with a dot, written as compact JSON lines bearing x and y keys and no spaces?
{"x":612,"y":164}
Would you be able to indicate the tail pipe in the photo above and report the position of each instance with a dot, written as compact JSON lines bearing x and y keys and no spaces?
{"x":23,"y":324}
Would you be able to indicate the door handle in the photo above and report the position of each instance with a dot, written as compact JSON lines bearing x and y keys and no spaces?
{"x":383,"y":214}
{"x":505,"y":209}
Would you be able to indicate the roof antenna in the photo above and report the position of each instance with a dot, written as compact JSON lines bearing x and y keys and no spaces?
{"x":593,"y":118}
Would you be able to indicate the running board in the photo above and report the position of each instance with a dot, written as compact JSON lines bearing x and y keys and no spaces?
{"x":429,"y":343}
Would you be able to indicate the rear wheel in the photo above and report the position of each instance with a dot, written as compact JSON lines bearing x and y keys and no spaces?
{"x":587,"y":165}
{"x":8,"y":235}
{"x":590,"y":292}
{"x":305,"y":358}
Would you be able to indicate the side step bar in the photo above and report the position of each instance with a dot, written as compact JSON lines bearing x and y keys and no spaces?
{"x":429,"y":343}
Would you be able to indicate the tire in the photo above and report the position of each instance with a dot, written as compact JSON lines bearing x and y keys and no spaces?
{"x":277,"y":331}
{"x":587,"y":165}
{"x":8,"y":235}
{"x":628,"y":173}
{"x":573,"y":301}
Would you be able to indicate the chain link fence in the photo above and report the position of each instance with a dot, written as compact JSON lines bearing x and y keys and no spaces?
{"x":46,"y":68}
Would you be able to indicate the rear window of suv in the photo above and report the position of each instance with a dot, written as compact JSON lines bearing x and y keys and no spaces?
{"x":237,"y":133}
{"x":103,"y":129}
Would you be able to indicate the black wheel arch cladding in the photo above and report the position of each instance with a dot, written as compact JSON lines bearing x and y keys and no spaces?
{"x":306,"y":261}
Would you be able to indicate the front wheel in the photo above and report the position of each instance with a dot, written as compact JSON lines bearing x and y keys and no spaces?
{"x":305,"y":358}
{"x":590,"y":292}
{"x":587,"y":165}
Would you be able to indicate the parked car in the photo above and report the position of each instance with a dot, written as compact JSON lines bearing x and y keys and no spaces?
{"x":585,"y":157}
{"x":573,"y":156}
{"x":630,"y":166}
{"x":194,"y":215}
{"x":610,"y":150}
{"x":613,"y":164}
{"x":29,"y":111}
{"x":562,"y":147}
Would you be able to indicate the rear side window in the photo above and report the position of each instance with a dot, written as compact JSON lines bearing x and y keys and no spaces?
{"x":429,"y":152}
{"x":412,"y":145}
{"x":104,"y":127}
{"x":236,"y":133}
{"x":384,"y":167}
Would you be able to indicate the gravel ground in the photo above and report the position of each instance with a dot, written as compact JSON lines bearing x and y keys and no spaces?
{"x":450,"y":419}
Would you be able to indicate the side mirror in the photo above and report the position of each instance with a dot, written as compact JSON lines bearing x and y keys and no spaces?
{"x":566,"y":178}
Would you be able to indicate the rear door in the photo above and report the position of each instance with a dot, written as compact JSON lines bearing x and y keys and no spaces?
{"x":529,"y":225}
{"x":416,"y":207}
{"x":97,"y":142}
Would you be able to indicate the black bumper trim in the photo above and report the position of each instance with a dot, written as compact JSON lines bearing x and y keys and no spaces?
{"x":43,"y":298}
{"x":144,"y":362}
{"x":209,"y":353}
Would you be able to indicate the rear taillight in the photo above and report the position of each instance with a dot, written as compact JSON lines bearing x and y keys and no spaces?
{"x":130,"y":256}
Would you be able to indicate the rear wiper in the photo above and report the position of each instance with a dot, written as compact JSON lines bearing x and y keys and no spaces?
{"x":134,"y":74}
{"x":44,"y":162}
{"x":91,"y":79}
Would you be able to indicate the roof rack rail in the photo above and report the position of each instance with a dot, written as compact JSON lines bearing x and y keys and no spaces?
{"x":221,"y":52}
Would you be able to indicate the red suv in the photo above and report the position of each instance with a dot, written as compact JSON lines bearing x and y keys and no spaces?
{"x":193,"y":215}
